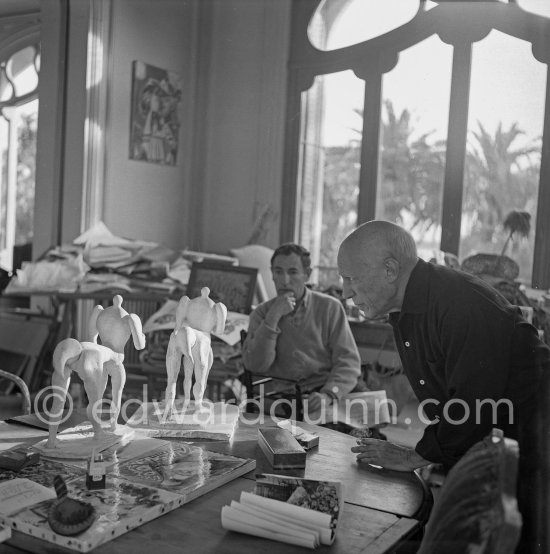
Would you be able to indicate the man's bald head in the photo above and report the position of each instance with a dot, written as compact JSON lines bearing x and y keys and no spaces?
{"x":377,"y":240}
{"x":375,"y":263}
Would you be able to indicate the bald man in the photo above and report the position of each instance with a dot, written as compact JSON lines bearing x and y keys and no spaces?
{"x":472,"y":360}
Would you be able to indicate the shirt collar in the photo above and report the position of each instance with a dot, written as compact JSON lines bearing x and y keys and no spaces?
{"x":306,"y":298}
{"x":416,"y":291}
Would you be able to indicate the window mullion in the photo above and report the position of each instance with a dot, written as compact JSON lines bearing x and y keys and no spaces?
{"x":370,"y":148}
{"x":541,"y":255}
{"x":456,"y":148}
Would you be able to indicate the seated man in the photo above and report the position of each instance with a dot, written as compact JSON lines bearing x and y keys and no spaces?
{"x":302,"y":334}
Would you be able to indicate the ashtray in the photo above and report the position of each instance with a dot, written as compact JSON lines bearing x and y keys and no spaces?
{"x":69,"y":516}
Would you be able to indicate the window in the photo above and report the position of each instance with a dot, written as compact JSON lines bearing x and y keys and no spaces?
{"x":18,"y":125}
{"x":420,"y":115}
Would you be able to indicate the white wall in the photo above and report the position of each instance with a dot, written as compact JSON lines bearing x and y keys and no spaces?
{"x":232,"y":55}
{"x":244,"y":120}
{"x":146,"y":200}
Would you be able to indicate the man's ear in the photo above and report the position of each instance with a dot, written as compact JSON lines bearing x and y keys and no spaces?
{"x":392,"y":267}
{"x":308,"y":272}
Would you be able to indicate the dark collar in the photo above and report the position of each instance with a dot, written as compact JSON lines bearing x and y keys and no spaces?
{"x":416,"y":292}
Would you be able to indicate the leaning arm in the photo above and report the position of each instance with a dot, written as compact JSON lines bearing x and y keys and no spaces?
{"x":259,"y":349}
{"x":388,"y":455}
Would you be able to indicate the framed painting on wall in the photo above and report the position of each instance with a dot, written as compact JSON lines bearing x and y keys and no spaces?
{"x":232,"y":285}
{"x":154,"y":120}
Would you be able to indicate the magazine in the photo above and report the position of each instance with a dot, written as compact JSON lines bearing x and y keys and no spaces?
{"x":165,"y":319}
{"x":357,"y":409}
{"x":303,"y":512}
{"x":137,"y":490}
{"x":217,"y":420}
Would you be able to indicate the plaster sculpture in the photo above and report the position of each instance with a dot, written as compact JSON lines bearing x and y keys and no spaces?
{"x":195,"y":320}
{"x":95,"y":363}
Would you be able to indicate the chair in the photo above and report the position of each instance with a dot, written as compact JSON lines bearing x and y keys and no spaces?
{"x":293,"y":395}
{"x":15,"y":405}
{"x":476,"y":509}
{"x":252,"y":383}
{"x":25,"y":341}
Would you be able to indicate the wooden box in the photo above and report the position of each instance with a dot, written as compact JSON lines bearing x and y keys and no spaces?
{"x":281,"y":449}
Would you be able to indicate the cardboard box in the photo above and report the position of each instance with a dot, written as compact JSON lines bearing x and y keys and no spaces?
{"x":306,"y":439}
{"x":17,"y":459}
{"x":281,"y":449}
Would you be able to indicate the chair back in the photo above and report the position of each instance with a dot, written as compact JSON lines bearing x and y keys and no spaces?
{"x":15,"y":406}
{"x":253,"y":385}
{"x":476,"y":510}
{"x":24,"y":340}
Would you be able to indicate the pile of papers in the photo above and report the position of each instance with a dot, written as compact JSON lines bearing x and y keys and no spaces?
{"x":61,"y":275}
{"x":304,"y":512}
{"x":100,"y":260}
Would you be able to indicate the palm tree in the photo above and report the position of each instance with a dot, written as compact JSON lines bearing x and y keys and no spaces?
{"x":411,"y":172}
{"x":495,"y":177}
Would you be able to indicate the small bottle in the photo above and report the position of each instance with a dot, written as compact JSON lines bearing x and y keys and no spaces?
{"x":96,"y":474}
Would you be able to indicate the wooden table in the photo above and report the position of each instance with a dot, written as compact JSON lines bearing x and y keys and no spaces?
{"x":382,"y":507}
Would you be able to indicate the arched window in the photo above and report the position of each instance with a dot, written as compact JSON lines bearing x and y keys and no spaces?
{"x":429,"y":114}
{"x":19,"y":72}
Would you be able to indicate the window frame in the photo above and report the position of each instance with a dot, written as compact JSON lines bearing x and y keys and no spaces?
{"x":25,"y":33}
{"x":370,"y":60}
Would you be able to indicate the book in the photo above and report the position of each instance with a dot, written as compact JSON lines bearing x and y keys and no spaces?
{"x":357,"y":409}
{"x":303,"y":512}
{"x":216,"y":421}
{"x":137,"y":490}
{"x":281,"y":449}
{"x":18,"y":458}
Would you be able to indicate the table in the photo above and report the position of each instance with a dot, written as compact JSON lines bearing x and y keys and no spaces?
{"x":382,"y":507}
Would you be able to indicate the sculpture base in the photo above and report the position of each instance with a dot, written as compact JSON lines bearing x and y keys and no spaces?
{"x":78,"y":442}
{"x":211,"y":421}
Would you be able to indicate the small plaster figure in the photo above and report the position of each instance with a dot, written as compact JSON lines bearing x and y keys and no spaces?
{"x":95,"y":363}
{"x":195,"y":320}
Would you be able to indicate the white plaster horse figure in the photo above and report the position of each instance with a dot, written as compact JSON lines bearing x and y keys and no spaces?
{"x":195,"y":320}
{"x":95,"y":363}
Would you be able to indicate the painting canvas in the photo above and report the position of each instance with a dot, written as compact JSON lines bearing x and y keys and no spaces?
{"x":232,"y":285}
{"x":155,"y":123}
{"x":139,"y":489}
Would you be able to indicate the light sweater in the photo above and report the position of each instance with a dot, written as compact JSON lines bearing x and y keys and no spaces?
{"x":314,"y":345}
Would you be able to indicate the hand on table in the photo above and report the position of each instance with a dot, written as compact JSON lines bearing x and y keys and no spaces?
{"x":388,"y":455}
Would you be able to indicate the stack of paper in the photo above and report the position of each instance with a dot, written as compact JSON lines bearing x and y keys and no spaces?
{"x":292,"y":510}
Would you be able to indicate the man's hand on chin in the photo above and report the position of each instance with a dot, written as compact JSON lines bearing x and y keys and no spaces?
{"x":386,"y":454}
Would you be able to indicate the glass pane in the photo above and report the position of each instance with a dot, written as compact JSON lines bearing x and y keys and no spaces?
{"x":504,"y":147}
{"x":329,"y":168}
{"x":414,"y":127}
{"x":22,"y":71}
{"x":26,"y":158}
{"x":6,"y":88}
{"x":4,"y":128}
{"x":540,"y":7}
{"x":356,"y":21}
